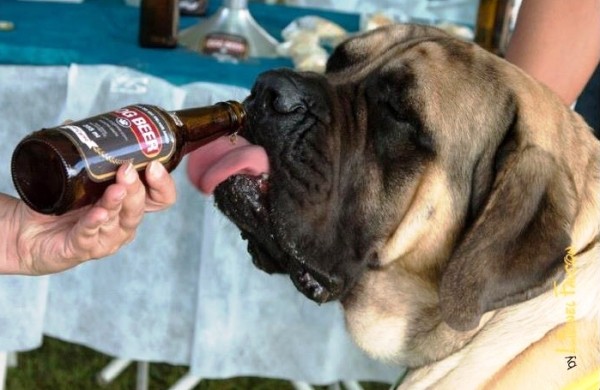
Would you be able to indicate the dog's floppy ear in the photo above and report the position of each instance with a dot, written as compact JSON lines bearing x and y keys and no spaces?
{"x":515,"y":246}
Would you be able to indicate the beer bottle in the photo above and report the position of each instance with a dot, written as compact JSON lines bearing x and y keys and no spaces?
{"x":159,"y":23}
{"x":494,"y":23}
{"x":63,"y":168}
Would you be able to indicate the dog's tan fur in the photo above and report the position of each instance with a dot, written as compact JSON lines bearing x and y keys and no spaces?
{"x":394,"y":313}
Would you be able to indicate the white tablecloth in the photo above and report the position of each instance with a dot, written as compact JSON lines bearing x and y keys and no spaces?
{"x":185,"y":291}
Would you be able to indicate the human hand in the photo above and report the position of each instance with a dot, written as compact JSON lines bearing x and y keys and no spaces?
{"x":47,"y":244}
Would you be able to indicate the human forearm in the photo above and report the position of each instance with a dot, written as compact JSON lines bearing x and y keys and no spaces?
{"x":558,"y":43}
{"x":9,"y":260}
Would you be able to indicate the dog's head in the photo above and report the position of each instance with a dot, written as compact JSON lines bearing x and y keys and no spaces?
{"x":417,"y":151}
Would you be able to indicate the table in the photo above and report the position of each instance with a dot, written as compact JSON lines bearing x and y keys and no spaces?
{"x":185,"y":291}
{"x":105,"y":32}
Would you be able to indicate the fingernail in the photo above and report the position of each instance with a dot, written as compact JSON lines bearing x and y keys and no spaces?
{"x":155,"y":170}
{"x":130,"y":173}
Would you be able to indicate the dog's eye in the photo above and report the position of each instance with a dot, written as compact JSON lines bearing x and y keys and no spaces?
{"x":401,"y":127}
{"x":392,"y":110}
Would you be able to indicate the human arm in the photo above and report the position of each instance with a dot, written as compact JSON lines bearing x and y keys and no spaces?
{"x":36,"y":244}
{"x":558,"y":43}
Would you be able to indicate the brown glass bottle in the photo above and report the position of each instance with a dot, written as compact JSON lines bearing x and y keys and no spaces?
{"x":159,"y":23}
{"x":63,"y":168}
{"x":493,"y":26}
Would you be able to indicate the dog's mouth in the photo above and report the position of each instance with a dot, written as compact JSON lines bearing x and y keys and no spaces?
{"x":238,"y":173}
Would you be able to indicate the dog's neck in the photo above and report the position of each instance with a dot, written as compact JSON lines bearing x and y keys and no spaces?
{"x":510,"y":332}
{"x":407,"y":328}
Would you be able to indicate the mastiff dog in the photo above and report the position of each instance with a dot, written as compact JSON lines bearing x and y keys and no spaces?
{"x":448,"y":201}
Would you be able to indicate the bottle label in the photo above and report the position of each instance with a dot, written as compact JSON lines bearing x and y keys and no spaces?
{"x":137,"y":134}
{"x":224,"y":44}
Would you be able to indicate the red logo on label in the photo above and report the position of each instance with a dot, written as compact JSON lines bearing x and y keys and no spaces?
{"x":145,"y":131}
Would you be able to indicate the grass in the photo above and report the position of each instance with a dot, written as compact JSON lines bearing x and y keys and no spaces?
{"x":59,"y":365}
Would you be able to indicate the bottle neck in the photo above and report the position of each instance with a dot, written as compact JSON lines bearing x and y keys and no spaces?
{"x":202,"y":125}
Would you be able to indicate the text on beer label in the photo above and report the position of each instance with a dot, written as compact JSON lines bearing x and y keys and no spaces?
{"x":144,"y":130}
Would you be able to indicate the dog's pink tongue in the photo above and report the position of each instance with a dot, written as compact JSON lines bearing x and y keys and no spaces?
{"x":214,"y":162}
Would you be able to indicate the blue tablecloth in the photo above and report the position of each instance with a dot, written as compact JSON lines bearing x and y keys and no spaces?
{"x":105,"y":32}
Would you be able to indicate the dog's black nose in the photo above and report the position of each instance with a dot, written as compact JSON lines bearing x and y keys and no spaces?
{"x":284,"y":104}
{"x":281,"y":90}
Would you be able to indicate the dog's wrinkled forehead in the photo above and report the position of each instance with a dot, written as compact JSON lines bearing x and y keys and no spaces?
{"x":435,"y":63}
{"x":360,"y":54}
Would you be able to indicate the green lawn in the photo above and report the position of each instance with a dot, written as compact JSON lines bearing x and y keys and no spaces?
{"x":58,"y":365}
